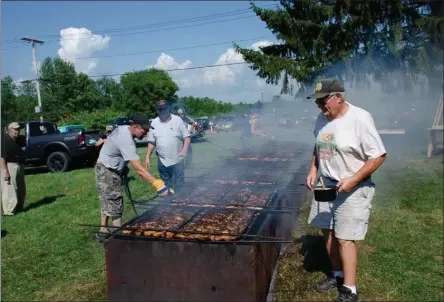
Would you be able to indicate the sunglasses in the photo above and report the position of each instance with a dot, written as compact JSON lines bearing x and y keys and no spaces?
{"x":162,"y":109}
{"x":324,"y":100}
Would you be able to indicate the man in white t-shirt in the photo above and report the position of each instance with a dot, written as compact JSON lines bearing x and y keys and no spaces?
{"x":348,"y":150}
{"x":171,"y":140}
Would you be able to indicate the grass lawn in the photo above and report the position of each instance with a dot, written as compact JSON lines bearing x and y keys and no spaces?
{"x":402,"y":256}
{"x":46,"y":255}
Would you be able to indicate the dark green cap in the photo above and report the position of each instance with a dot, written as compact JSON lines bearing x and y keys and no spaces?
{"x":326,"y":86}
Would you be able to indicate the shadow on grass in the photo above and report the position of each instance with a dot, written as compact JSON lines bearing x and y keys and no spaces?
{"x":315,"y":254}
{"x":41,"y":202}
{"x":4,"y":232}
{"x":44,"y":169}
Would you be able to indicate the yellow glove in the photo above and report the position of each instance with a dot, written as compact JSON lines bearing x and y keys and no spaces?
{"x":162,"y":189}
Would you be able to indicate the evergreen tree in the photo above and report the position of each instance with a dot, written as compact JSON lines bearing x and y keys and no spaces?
{"x":351,"y":39}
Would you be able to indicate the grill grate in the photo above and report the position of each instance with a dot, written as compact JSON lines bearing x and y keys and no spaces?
{"x":166,"y":208}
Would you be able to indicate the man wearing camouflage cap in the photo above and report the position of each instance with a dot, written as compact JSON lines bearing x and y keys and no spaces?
{"x":348,"y":150}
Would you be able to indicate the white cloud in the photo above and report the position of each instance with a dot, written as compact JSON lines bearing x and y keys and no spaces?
{"x":79,"y":43}
{"x":256,"y":46}
{"x":224,"y":75}
{"x":234,"y":83}
{"x":183,"y":78}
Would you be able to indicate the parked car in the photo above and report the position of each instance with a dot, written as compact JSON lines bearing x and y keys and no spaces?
{"x":228,"y":123}
{"x":199,"y":129}
{"x":204,"y":122}
{"x":45,"y":145}
{"x":120,"y":121}
{"x":222,"y":123}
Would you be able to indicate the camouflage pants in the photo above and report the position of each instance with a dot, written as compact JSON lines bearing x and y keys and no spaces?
{"x":109,"y":186}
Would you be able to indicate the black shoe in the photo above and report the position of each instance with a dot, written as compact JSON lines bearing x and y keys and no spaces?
{"x":346,"y":295}
{"x":100,"y":237}
{"x":328,"y":283}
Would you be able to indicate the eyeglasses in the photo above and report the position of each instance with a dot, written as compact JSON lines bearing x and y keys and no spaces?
{"x":324,"y":100}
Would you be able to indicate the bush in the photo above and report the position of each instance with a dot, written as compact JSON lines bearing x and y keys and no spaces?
{"x":96,"y":119}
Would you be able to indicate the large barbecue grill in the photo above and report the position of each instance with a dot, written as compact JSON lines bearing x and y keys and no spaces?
{"x":219,"y":241}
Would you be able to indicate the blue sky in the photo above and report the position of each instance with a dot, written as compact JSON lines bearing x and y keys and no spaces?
{"x":45,"y":20}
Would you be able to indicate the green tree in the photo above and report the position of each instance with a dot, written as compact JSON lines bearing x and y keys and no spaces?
{"x":110,"y":93}
{"x":26,"y":101}
{"x":9,"y":105}
{"x":350,"y":39}
{"x":96,"y":119}
{"x":143,"y":88}
{"x":64,"y":91}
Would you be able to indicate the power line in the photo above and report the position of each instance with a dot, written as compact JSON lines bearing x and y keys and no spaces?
{"x":167,"y":70}
{"x":165,"y":29}
{"x":172,"y":22}
{"x":164,"y":50}
{"x":181,"y":21}
{"x":5,"y":49}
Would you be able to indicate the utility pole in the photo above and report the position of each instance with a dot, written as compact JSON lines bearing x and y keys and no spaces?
{"x":262,"y":93}
{"x":38,"y":109}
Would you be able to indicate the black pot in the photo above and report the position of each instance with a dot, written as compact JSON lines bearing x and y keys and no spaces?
{"x":327,"y":194}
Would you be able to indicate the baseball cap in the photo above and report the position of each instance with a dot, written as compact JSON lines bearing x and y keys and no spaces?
{"x":142,"y":120}
{"x":14,"y":125}
{"x":326,"y":86}
{"x":180,"y":111}
{"x":162,"y":104}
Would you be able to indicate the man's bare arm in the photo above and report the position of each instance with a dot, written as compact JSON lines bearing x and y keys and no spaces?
{"x":186,"y":144}
{"x":150,"y":150}
{"x":314,"y":165}
{"x":142,"y":171}
{"x":4,"y":164}
{"x":370,"y":166}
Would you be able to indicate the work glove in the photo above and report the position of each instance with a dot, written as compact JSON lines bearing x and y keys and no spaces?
{"x":162,"y":188}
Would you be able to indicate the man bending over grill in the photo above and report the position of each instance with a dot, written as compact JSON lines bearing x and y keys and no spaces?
{"x":171,"y":139}
{"x":118,"y":150}
{"x":348,"y":150}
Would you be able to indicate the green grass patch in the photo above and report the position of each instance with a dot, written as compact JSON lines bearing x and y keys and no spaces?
{"x":46,"y":255}
{"x":402,"y":256}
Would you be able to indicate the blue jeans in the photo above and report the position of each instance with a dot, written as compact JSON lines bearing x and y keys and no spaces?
{"x":172,"y":175}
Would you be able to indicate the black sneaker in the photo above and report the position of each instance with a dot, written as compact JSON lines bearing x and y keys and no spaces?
{"x":328,"y":283}
{"x":346,"y":295}
{"x":100,"y":237}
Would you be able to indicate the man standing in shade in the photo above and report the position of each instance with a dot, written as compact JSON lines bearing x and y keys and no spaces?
{"x":348,"y":150}
{"x":118,"y":150}
{"x":13,"y":188}
{"x":171,"y":139}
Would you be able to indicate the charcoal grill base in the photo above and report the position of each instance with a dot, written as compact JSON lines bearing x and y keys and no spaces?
{"x":149,"y":270}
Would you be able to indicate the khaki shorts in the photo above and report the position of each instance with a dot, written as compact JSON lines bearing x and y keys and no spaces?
{"x":348,"y":215}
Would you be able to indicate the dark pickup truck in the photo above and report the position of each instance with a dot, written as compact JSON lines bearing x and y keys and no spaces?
{"x":45,"y":145}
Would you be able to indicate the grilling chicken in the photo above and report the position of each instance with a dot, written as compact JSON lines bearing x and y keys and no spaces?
{"x":170,"y":222}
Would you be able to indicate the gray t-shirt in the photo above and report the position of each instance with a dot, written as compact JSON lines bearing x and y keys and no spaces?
{"x":118,"y":149}
{"x":168,"y":138}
